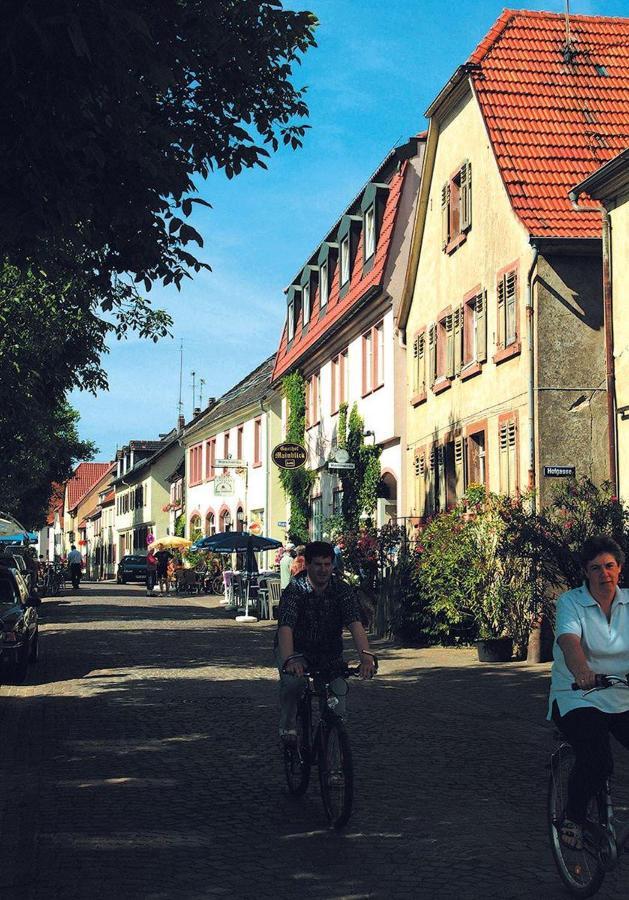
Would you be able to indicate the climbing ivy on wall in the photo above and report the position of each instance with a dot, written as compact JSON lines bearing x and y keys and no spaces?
{"x":361,"y":484}
{"x":296,"y":482}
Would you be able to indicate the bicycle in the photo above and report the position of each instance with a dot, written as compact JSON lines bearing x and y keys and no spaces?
{"x":325,"y":746}
{"x":583,"y":871}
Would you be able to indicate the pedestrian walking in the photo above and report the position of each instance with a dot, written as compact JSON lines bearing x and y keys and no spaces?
{"x":151,"y":571}
{"x":75,"y":562}
{"x":163,"y":557}
{"x":285,"y":564}
{"x":298,"y":565}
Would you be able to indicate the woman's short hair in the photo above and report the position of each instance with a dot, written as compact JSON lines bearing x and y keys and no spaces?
{"x":318,"y":548}
{"x":601,"y":543}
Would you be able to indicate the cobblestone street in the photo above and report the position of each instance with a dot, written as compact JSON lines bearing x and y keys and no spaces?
{"x":141,"y":760}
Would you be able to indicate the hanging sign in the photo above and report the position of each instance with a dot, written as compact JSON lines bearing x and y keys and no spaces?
{"x":223,"y":486}
{"x":289,"y":456}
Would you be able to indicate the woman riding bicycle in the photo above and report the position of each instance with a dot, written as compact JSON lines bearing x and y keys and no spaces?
{"x":591,"y":637}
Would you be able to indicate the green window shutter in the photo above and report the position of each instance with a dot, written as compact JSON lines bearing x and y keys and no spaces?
{"x":432,"y":354}
{"x":441,"y":477}
{"x":449,"y":346}
{"x":500,"y":331}
{"x":512,"y":442}
{"x":480,"y":313}
{"x":445,"y":216}
{"x":459,"y":467}
{"x":510,"y":292}
{"x":458,"y":338}
{"x":466,"y":195}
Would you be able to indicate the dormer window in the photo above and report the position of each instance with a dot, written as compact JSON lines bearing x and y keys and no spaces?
{"x":372,"y":207}
{"x":293,"y":307}
{"x":308,"y":284}
{"x":327,"y":263}
{"x":348,"y":235}
{"x":345,"y":265}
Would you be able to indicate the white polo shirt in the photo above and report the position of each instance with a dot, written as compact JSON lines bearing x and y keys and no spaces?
{"x":606,"y":648}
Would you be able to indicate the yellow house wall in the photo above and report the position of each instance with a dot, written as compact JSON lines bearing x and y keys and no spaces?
{"x":495,"y":240}
{"x":619,"y":216}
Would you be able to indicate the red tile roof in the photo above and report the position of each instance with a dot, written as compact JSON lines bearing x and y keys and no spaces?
{"x":552,"y":123}
{"x":56,"y":503}
{"x":85,"y":477}
{"x":359,"y":284}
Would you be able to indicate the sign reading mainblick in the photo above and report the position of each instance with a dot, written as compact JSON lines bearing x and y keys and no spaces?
{"x":289,"y":456}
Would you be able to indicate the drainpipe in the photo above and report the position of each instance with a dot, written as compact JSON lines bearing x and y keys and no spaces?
{"x":530,"y":335}
{"x":610,"y":370}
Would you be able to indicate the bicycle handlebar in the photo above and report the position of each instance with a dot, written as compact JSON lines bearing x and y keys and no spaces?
{"x":344,"y":671}
{"x":604,"y":681}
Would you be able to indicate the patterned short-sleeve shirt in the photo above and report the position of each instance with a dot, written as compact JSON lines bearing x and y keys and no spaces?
{"x":318,"y":620}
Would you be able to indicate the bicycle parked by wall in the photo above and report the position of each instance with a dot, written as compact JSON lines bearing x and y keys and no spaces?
{"x":583,"y":870}
{"x":53,"y":580}
{"x":324,"y":744}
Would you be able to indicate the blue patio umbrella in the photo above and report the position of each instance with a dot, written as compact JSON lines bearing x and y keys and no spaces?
{"x":238,"y":542}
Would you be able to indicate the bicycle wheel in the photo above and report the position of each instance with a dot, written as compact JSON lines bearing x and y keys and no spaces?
{"x":336,"y":772}
{"x":580,"y":870}
{"x":297,"y":759}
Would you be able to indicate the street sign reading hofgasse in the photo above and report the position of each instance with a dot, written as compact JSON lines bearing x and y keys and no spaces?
{"x":289,"y":456}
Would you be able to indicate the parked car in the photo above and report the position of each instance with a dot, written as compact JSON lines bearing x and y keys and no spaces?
{"x":131,"y":568}
{"x":19,"y":637}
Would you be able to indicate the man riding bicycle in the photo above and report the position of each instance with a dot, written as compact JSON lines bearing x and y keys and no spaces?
{"x":314,"y":609}
{"x":591,"y":637}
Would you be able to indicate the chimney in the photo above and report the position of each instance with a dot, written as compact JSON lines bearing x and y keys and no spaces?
{"x":180,"y":422}
{"x":211,"y":401}
{"x":196,"y":410}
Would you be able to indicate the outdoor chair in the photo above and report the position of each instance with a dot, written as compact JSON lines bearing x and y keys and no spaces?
{"x":269,"y":598}
{"x":186,"y":581}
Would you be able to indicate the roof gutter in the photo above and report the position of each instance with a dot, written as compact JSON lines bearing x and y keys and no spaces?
{"x":418,"y":225}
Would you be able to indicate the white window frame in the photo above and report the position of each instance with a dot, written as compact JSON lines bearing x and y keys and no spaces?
{"x":370,"y":232}
{"x":305,"y":304}
{"x":323,"y":285}
{"x":344,"y":253}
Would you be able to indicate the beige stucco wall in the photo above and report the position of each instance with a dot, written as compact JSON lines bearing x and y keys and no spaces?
{"x":495,"y":240}
{"x":619,"y":216}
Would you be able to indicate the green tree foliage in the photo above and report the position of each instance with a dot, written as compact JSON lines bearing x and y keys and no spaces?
{"x":45,"y":450}
{"x":43,"y":341}
{"x":111,"y":114}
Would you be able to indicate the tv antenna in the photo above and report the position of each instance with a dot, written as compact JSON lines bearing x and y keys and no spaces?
{"x":194,"y":389}
{"x":201,"y":386}
{"x":180,"y":403}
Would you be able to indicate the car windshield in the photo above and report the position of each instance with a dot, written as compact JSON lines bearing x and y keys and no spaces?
{"x":134,"y":559}
{"x":8,"y":596}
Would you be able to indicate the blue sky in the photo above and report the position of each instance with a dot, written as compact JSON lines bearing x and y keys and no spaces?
{"x":376,"y":69}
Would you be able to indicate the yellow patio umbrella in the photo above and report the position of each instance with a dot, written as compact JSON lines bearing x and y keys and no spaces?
{"x":170,"y":542}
